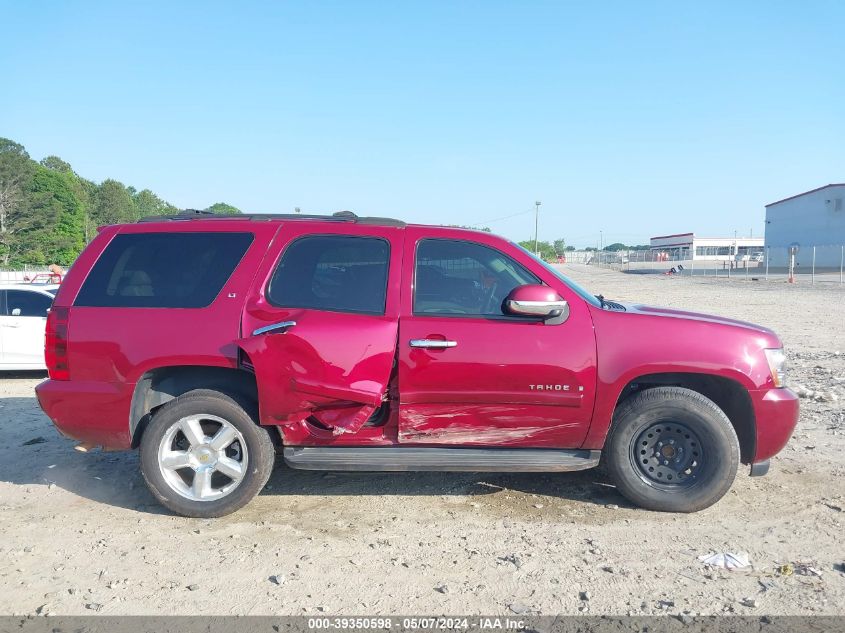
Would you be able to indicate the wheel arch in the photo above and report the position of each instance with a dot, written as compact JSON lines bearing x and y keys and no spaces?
{"x":728,"y":394}
{"x":158,"y":386}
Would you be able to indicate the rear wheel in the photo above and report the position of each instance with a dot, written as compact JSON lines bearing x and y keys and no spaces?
{"x":202,"y":455}
{"x":672,"y":449}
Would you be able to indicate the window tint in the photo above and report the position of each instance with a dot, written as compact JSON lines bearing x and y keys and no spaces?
{"x":332,"y":272}
{"x":454,"y":277}
{"x":30,"y":304}
{"x":163,"y":270}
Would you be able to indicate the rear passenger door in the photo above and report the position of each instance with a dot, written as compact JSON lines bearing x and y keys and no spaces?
{"x":320,"y":327}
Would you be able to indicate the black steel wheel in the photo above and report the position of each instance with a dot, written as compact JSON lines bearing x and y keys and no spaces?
{"x":668,"y":454}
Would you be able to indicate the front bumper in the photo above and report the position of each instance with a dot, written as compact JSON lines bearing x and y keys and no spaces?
{"x":776,"y":414}
{"x":93,"y":412}
{"x":758,"y":469}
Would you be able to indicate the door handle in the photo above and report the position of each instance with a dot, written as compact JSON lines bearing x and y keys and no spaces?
{"x":280,"y":327}
{"x":431,"y":343}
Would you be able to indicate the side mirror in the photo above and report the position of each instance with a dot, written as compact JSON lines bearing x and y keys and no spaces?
{"x":536,"y":301}
{"x":16,"y":311}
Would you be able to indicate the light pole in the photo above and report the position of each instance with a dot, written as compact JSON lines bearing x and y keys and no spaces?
{"x":536,"y":223}
{"x":601,"y":240}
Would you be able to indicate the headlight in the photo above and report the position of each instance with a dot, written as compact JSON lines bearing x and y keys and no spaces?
{"x":777,"y":365}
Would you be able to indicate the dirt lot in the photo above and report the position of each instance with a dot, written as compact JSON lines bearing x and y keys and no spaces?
{"x":81,"y":534}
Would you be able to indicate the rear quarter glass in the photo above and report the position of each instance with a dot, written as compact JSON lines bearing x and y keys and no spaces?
{"x":163,"y":270}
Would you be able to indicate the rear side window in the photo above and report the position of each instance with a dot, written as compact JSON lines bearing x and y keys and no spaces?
{"x":163,"y":270}
{"x":339,"y":273}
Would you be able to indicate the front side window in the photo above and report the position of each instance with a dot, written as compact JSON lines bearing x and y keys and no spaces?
{"x":27,"y":304}
{"x":338,"y":273}
{"x":464,"y":278}
{"x":163,"y":270}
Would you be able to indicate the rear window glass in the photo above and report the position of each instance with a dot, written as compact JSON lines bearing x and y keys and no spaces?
{"x":163,"y":270}
{"x":338,"y":273}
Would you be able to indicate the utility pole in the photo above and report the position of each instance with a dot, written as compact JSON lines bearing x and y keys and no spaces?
{"x":601,"y":240}
{"x":536,"y":224}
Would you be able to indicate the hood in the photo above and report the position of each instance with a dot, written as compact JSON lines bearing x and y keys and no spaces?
{"x":695,"y":316}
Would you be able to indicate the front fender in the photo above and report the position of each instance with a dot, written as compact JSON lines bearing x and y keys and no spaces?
{"x":633,"y":345}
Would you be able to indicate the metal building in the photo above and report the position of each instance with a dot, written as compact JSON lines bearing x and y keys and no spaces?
{"x":814,"y":221}
{"x":686,"y":246}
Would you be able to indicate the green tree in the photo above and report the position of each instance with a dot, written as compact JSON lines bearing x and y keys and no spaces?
{"x":113,"y":204}
{"x":560,"y":245}
{"x":616,"y":246}
{"x":147,"y":203}
{"x":222,"y":208}
{"x":56,"y":164}
{"x":85,"y":190}
{"x":546,"y":250}
{"x":16,"y":170}
{"x":52,"y":230}
{"x":48,"y":212}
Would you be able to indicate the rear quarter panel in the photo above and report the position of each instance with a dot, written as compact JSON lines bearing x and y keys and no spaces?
{"x":117,"y":345}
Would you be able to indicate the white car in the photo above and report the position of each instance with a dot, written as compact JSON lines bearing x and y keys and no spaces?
{"x":23,"y":317}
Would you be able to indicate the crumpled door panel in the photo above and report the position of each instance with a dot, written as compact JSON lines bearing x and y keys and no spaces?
{"x":333,"y":366}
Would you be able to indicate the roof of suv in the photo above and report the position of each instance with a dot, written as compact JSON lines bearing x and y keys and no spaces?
{"x":340,"y":216}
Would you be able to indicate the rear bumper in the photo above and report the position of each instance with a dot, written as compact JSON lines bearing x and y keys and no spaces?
{"x":92,"y":412}
{"x":776,"y":414}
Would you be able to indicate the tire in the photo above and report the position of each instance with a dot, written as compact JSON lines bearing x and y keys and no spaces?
{"x":193,"y":467}
{"x":696,"y":444}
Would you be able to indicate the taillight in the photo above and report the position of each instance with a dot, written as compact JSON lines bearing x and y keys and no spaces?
{"x":55,"y":347}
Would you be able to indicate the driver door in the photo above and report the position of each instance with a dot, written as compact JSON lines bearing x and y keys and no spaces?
{"x":472,"y":375}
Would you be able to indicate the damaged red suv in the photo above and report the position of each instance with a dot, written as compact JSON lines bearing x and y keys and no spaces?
{"x":349,"y":343}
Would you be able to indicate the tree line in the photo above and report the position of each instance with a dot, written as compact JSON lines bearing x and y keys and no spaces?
{"x":551,"y":250}
{"x":48,"y":212}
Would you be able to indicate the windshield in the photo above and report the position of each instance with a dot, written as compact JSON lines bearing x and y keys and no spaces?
{"x":582,"y":292}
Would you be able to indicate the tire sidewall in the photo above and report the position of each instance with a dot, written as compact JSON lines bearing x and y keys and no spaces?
{"x":258,"y":444}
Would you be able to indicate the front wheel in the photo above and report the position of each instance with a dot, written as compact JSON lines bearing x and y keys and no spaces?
{"x":672,"y":449}
{"x":202,"y":455}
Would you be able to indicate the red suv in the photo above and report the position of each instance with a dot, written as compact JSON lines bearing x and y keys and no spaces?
{"x":350,"y":343}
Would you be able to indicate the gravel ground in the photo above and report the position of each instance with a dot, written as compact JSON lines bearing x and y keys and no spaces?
{"x":81,"y":534}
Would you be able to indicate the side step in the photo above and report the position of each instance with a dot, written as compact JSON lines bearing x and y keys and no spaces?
{"x":390,"y":458}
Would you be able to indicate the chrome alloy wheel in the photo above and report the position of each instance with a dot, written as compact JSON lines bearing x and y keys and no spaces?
{"x":203,"y":457}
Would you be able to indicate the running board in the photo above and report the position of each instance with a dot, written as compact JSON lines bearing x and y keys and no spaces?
{"x":389,"y":458}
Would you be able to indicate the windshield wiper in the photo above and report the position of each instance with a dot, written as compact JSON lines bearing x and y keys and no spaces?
{"x":601,"y":300}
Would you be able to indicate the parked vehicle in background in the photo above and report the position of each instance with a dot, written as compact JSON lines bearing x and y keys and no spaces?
{"x":23,"y":316}
{"x":352,"y":343}
{"x":759,"y":256}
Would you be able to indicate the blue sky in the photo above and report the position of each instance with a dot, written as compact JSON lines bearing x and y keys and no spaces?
{"x":631,"y":118}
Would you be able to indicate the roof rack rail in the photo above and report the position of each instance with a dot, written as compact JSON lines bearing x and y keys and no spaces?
{"x":339,"y":216}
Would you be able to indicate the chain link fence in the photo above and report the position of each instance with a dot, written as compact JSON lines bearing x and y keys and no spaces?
{"x":812,"y":264}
